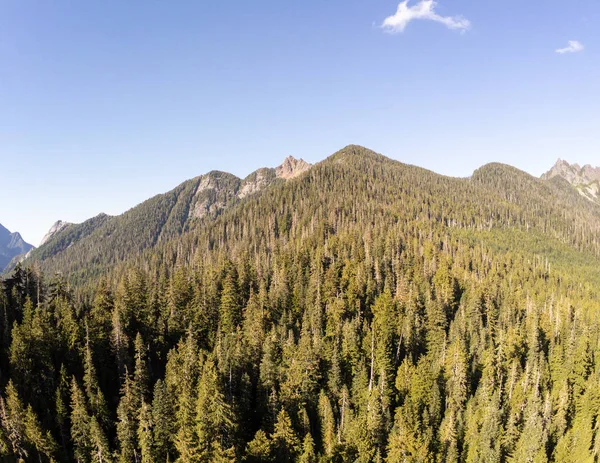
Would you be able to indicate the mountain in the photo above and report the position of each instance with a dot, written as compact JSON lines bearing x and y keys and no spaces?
{"x":291,"y":168}
{"x":360,"y":310}
{"x":86,"y":249}
{"x":11,"y":245}
{"x":56,"y":228}
{"x":586,"y":179}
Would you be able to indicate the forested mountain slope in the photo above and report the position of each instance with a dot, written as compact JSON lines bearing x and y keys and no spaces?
{"x":85,"y":250}
{"x":362,"y":311}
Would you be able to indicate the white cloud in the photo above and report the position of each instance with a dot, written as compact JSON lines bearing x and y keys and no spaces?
{"x":423,"y":9}
{"x":574,"y":47}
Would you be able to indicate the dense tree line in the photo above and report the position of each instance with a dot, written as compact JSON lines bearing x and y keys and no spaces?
{"x":364,"y":312}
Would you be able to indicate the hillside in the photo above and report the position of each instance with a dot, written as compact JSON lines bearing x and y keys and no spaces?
{"x":495,"y":196}
{"x":362,"y":310}
{"x":11,"y":246}
{"x":85,"y":250}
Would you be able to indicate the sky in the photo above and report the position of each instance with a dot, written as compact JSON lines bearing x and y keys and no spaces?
{"x":104,"y":104}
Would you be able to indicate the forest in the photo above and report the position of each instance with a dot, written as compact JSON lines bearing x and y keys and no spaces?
{"x":366,"y":311}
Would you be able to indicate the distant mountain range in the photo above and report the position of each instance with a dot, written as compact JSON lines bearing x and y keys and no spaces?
{"x":11,"y":246}
{"x":585,"y":179}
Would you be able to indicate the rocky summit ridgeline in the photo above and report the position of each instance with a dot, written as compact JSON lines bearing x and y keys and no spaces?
{"x":585,"y":179}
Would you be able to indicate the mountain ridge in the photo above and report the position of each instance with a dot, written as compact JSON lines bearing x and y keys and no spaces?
{"x":586,"y":179}
{"x":11,"y":246}
{"x":104,"y":241}
{"x":201,"y":198}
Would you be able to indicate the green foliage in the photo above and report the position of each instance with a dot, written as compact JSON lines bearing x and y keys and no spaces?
{"x":364,"y":311}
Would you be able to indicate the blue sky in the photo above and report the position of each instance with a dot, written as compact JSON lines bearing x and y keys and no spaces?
{"x":106,"y":103}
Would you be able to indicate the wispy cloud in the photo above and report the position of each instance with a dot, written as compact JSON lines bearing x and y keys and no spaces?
{"x":423,"y":9}
{"x":574,"y":47}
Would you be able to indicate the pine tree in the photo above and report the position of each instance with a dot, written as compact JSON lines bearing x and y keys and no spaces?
{"x":186,"y":440}
{"x":127,"y":424}
{"x":531,"y":446}
{"x":214,"y":417}
{"x":308,"y":451}
{"x":285,"y":440}
{"x":230,"y":303}
{"x":12,"y":419}
{"x":62,"y":409}
{"x":140,"y":377}
{"x":80,"y":425}
{"x":259,"y":449}
{"x":41,"y":441}
{"x":145,"y":434}
{"x":163,"y":422}
{"x":100,"y":450}
{"x":180,"y":296}
{"x":327,"y":419}
{"x":95,"y":397}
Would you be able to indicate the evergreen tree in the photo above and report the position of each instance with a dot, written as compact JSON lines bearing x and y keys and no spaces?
{"x":145,"y":434}
{"x":12,"y":416}
{"x":100,"y":450}
{"x":95,"y":397}
{"x":230,"y":304}
{"x":285,"y":441}
{"x":259,"y":449}
{"x":214,"y":417}
{"x":80,"y":425}
{"x":162,"y":420}
{"x":308,"y":451}
{"x":127,"y":424}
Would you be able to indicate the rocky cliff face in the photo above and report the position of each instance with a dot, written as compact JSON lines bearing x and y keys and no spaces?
{"x":256,"y":181}
{"x":291,"y":168}
{"x":573,"y":173}
{"x":11,"y":245}
{"x":56,"y":228}
{"x":585,"y":179}
{"x":216,"y":190}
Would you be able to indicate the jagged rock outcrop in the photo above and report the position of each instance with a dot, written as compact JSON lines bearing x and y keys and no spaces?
{"x":573,"y":173}
{"x":217,"y":190}
{"x":256,"y":181}
{"x":214,"y":192}
{"x":291,"y":168}
{"x":11,"y":246}
{"x":58,"y":226}
{"x":586,"y":179}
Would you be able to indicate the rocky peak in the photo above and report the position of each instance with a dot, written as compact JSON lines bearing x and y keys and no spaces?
{"x":291,"y":168}
{"x":11,"y":245}
{"x":592,"y":173}
{"x":58,"y":226}
{"x":217,"y":190}
{"x":585,"y":179}
{"x":262,"y":178}
{"x":573,"y":173}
